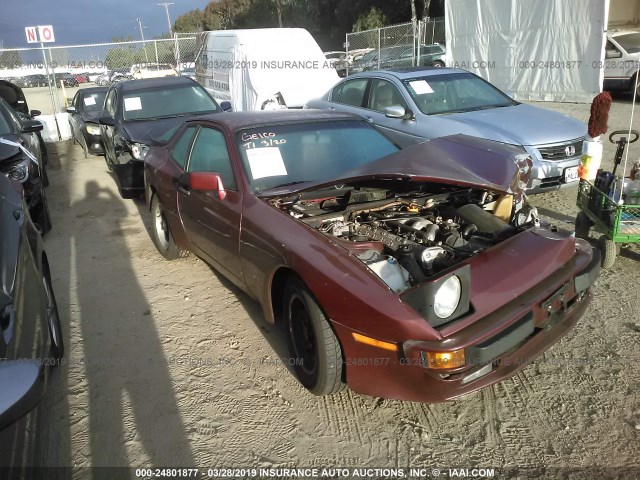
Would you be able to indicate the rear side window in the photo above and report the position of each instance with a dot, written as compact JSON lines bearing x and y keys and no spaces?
{"x":350,"y":92}
{"x":180,"y":150}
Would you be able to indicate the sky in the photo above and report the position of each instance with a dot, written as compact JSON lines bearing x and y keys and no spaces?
{"x":88,"y":21}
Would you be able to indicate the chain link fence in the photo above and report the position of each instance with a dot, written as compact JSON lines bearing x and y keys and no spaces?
{"x":53,"y":73}
{"x":396,"y":46}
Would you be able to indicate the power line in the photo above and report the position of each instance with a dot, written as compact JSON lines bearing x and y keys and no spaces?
{"x":144,"y":46}
{"x":166,"y":8}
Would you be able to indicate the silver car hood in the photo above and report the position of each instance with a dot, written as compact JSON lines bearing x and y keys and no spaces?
{"x":518,"y":125}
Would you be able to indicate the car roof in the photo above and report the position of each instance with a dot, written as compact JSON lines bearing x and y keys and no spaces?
{"x":143,"y":84}
{"x":409,"y":72}
{"x":240,"y":120}
{"x":93,"y":90}
{"x":617,"y":33}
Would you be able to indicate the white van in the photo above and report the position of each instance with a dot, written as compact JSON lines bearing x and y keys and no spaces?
{"x":262,"y":69}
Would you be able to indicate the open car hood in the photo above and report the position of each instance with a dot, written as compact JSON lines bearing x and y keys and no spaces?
{"x":14,"y":96}
{"x":455,"y":160}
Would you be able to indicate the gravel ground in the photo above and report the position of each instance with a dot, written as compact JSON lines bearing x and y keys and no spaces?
{"x":169,"y":364}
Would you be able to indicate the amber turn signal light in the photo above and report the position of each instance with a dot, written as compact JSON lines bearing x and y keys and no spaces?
{"x":441,"y":360}
{"x":375,"y":343}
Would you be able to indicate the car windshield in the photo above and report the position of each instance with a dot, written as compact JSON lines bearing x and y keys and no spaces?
{"x":93,"y":102}
{"x":281,"y":155}
{"x":367,"y":57}
{"x":167,"y":101}
{"x":629,"y":41}
{"x":454,"y":93}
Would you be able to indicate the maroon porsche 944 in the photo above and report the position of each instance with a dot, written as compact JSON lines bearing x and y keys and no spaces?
{"x":419,"y":274}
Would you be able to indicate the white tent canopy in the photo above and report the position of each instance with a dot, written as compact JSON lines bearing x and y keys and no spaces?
{"x":548,"y":50}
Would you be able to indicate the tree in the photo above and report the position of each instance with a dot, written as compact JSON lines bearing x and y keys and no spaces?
{"x":414,"y":16}
{"x":425,"y":9}
{"x":192,"y":21}
{"x":280,"y":4}
{"x":10,"y":59}
{"x":122,"y":57}
{"x":224,"y":14}
{"x":374,"y":18}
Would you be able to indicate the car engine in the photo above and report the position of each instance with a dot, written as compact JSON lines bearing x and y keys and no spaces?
{"x":407,"y":237}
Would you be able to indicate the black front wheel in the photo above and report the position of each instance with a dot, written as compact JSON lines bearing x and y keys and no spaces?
{"x":41,"y":216}
{"x":53,"y":318}
{"x":161,"y":233}
{"x":313,"y":345}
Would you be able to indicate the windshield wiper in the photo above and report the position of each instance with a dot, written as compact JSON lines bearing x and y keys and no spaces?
{"x":288,"y":184}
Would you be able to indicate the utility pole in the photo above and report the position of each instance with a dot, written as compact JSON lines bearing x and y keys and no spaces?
{"x":144,"y":45}
{"x":166,"y":8}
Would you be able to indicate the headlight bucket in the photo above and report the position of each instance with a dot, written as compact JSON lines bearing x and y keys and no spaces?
{"x":435,"y":299}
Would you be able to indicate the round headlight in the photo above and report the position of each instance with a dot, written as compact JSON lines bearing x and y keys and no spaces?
{"x":447,"y":297}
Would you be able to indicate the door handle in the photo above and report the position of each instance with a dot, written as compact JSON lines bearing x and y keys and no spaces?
{"x":182,"y":183}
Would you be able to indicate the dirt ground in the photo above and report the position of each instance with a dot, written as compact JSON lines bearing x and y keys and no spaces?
{"x":170,"y":365}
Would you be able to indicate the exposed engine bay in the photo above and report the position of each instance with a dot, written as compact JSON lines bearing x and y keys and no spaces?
{"x":410,"y":233}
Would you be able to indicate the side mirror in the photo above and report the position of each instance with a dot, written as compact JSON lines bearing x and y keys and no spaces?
{"x":395,"y":111}
{"x":71,"y":110}
{"x":613,"y":54}
{"x":226,"y":106}
{"x":108,"y":121}
{"x":35,"y":113}
{"x":207,"y":182}
{"x":22,"y":388}
{"x":31,"y":126}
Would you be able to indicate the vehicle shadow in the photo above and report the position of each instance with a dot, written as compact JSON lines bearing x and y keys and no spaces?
{"x":114,"y":400}
{"x":127,"y":373}
{"x":556,"y":216}
{"x":274,"y":334}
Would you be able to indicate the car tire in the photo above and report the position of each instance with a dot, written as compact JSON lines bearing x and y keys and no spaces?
{"x":583,"y":225}
{"x":608,"y":251}
{"x":42,"y":218}
{"x":43,"y":150}
{"x":85,"y":148}
{"x":161,"y":233}
{"x":106,"y":159}
{"x":438,"y":63}
{"x":313,"y":345}
{"x":53,"y":317}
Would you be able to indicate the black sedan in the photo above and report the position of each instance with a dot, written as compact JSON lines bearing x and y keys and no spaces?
{"x":30,"y":329}
{"x":21,"y":160}
{"x":84,"y":114}
{"x":14,"y":96}
{"x":137,"y":111}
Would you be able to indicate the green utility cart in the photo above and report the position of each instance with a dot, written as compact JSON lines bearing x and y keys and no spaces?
{"x":601,"y":208}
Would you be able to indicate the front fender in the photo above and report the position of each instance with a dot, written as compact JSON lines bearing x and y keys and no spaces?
{"x":348,"y":292}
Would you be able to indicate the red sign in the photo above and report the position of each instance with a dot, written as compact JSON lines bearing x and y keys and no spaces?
{"x":32,"y":34}
{"x":40,"y":34}
{"x":46,"y":33}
